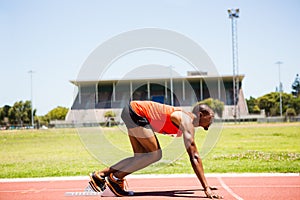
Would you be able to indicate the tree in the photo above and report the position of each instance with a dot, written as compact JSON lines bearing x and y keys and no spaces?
{"x":110,"y":120}
{"x":109,"y":114}
{"x":290,"y":113}
{"x":216,"y":105}
{"x":266,"y":102}
{"x":256,"y":110}
{"x":43,"y":120}
{"x":4,"y":114}
{"x":271,"y":103}
{"x":252,"y":104}
{"x":58,"y":113}
{"x":295,"y":103}
{"x":296,"y":86}
{"x":20,"y":113}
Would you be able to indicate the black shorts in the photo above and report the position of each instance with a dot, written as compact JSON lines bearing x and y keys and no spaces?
{"x":132,"y":120}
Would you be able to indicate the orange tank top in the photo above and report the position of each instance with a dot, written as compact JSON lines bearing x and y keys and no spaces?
{"x":158,"y":115}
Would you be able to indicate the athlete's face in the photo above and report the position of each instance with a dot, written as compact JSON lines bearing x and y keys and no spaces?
{"x":205,"y":121}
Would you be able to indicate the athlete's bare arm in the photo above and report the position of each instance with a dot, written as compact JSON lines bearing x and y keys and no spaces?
{"x":187,"y":127}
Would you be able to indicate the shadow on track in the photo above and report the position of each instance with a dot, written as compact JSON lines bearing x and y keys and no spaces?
{"x":171,"y":193}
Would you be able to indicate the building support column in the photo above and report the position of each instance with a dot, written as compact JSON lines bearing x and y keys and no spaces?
{"x":148,"y":90}
{"x":79,"y":94}
{"x":201,"y":89}
{"x":130,"y":89}
{"x":183,"y":90}
{"x":166,"y":89}
{"x":114,"y":91}
{"x":219,"y":89}
{"x":96,"y":93}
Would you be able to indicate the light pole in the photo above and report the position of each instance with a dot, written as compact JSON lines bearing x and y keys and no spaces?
{"x":31,"y":97}
{"x":233,"y":15}
{"x":279,"y":87}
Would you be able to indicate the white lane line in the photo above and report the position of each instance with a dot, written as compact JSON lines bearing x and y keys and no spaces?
{"x":229,"y":190}
{"x":40,"y":190}
{"x":79,"y":178}
{"x":266,"y":186}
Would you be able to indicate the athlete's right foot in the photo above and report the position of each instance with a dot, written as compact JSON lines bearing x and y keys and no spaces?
{"x":116,"y":186}
{"x":97,"y":182}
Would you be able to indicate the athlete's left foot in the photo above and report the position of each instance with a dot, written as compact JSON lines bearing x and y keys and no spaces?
{"x":97,"y":182}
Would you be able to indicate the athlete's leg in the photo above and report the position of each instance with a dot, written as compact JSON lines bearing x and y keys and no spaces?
{"x":146,"y":151}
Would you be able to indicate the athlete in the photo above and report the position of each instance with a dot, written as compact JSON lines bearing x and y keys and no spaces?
{"x":142,"y":119}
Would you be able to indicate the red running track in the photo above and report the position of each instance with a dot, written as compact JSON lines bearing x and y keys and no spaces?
{"x":247,"y":187}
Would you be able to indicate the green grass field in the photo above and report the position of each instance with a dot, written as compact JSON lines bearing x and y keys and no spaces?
{"x":61,"y":152}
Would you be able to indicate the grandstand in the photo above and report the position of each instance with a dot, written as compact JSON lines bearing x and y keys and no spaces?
{"x":95,"y":97}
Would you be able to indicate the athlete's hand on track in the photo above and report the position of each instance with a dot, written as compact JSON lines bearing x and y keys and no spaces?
{"x":212,"y":195}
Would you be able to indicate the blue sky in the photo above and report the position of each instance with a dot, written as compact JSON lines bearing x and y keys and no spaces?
{"x":53,"y":38}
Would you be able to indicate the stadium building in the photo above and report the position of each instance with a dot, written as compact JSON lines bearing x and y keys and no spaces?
{"x":95,"y":97}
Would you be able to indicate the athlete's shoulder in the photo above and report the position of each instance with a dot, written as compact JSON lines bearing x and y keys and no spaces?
{"x":176,"y":117}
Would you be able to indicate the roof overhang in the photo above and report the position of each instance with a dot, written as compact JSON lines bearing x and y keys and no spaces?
{"x":188,"y":78}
